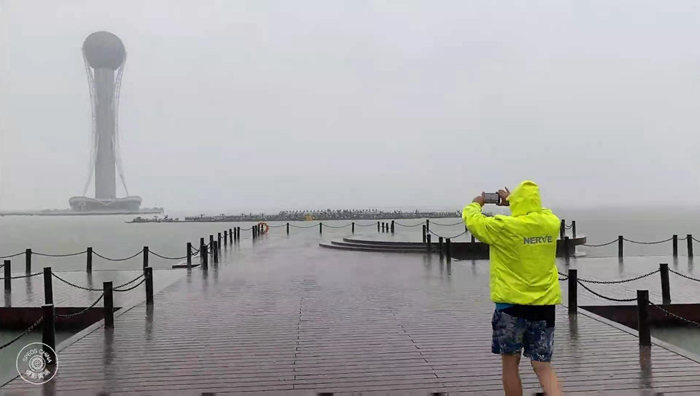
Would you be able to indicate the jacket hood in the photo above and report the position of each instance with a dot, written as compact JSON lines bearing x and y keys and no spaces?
{"x":525,"y":199}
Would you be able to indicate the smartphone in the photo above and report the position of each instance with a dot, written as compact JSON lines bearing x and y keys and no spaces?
{"x":492,"y":198}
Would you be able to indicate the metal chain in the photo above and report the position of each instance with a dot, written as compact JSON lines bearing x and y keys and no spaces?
{"x":684,"y":276}
{"x":12,"y":255}
{"x":369,"y":225}
{"x":647,"y":243}
{"x":564,"y":278}
{"x":605,"y":297}
{"x":445,"y":225}
{"x":83,"y":311}
{"x":296,"y":226}
{"x":696,"y":324}
{"x":132,"y":287}
{"x":119,"y":259}
{"x":128,"y":283}
{"x":24,"y":333}
{"x":695,"y":239}
{"x":601,"y":244}
{"x":74,"y":285}
{"x":59,"y":255}
{"x":408,"y":225}
{"x":25,"y":276}
{"x":342,"y":226}
{"x":166,"y":257}
{"x":599,"y":282}
{"x":452,"y":237}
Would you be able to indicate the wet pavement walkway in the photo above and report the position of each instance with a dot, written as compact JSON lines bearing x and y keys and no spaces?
{"x":282,"y":315}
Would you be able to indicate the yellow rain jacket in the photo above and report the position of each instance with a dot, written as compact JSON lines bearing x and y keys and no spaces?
{"x":522,"y":248}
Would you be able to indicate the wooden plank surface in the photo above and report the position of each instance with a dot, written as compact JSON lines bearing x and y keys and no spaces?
{"x":282,"y":316}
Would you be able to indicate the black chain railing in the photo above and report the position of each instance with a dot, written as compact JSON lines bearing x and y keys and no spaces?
{"x":140,"y":252}
{"x":166,"y":257}
{"x":407,"y":225}
{"x":12,"y":255}
{"x":25,"y":276}
{"x":341,"y":226}
{"x":93,"y":288}
{"x":309,"y":226}
{"x":83,"y":310}
{"x":24,"y":333}
{"x":614,"y":282}
{"x":59,"y":255}
{"x":647,"y":243}
{"x":606,"y":297}
{"x":600,"y":244}
{"x":116,"y":288}
{"x":684,"y":276}
{"x":688,"y":321}
{"x":132,"y":287}
{"x":367,"y":225}
{"x":446,"y":225}
{"x":448,"y":237}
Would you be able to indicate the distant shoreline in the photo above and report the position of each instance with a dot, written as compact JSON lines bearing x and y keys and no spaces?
{"x":320,"y":216}
{"x":69,"y":212}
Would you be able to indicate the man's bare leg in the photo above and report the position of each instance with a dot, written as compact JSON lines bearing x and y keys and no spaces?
{"x":548,"y":378}
{"x":511,"y":375}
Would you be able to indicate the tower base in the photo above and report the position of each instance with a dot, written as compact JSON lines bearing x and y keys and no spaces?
{"x":87,"y":204}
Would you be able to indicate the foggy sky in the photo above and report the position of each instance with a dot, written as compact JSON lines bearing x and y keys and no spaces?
{"x":248,"y":105}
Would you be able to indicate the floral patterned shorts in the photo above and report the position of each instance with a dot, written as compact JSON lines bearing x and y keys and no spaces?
{"x":512,"y":334}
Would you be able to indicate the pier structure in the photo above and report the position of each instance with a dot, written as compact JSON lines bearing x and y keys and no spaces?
{"x":271,"y":315}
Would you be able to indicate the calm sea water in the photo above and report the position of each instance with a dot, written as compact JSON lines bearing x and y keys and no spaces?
{"x":112,"y":236}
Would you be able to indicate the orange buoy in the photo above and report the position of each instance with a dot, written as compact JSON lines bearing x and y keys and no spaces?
{"x":265,"y":227}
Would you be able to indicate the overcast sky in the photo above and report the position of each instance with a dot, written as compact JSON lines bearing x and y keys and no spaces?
{"x":232,"y":105}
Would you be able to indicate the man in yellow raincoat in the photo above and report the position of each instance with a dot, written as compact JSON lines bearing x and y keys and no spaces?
{"x":524,"y":282}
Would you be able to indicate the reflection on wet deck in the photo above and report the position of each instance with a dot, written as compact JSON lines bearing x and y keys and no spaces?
{"x":283,"y":315}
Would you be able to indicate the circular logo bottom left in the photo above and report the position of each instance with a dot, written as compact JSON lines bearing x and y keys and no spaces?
{"x":37,"y":363}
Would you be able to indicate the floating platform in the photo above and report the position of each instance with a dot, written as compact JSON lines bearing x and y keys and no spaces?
{"x":460,"y":250}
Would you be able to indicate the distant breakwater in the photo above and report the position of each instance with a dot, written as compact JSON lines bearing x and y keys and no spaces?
{"x":303,"y":216}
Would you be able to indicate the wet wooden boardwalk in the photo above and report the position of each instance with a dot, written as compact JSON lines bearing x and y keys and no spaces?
{"x":284,"y":316}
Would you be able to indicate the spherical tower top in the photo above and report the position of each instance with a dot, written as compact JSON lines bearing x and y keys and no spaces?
{"x":104,"y":50}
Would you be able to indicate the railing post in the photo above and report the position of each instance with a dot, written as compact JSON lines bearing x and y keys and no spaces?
{"x":204,"y":254}
{"x":225,"y":238}
{"x":448,"y":249}
{"x":427,"y":225}
{"x":201,"y":251}
{"x":383,"y":226}
{"x":620,"y":240}
{"x":28,"y":261}
{"x":145,"y":256}
{"x":230,"y":236}
{"x":211,"y":241}
{"x":48,"y":286}
{"x":566,"y":248}
{"x":689,"y":239}
{"x":189,"y":254}
{"x":8,"y":275}
{"x":675,"y":246}
{"x":238,"y":233}
{"x":109,"y":305}
{"x":320,"y":228}
{"x":643,"y":317}
{"x":148,"y":275}
{"x":215,"y":252}
{"x":665,"y":285}
{"x":252,"y":230}
{"x":562,"y":229}
{"x":377,"y":226}
{"x":423,"y":233}
{"x":573,"y":292}
{"x":353,"y":227}
{"x":218,"y":241}
{"x":48,"y":336}
{"x":427,"y":244}
{"x":392,"y":226}
{"x":440,"y":247}
{"x":288,"y":228}
{"x":573,"y":228}
{"x":88,"y":267}
{"x":473,"y":239}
